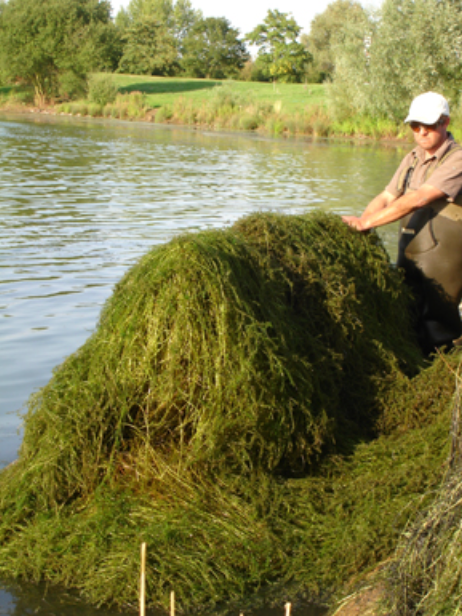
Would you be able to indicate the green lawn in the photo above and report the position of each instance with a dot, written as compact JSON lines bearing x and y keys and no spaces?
{"x":162,"y":91}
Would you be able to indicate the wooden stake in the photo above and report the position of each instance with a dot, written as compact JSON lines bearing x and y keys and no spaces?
{"x":172,"y":603}
{"x":143,"y":581}
{"x":288,"y":608}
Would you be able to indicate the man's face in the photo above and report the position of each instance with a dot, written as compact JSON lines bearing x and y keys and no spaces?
{"x":430,"y":138}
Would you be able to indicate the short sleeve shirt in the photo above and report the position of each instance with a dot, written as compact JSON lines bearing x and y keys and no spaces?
{"x":447,"y":176}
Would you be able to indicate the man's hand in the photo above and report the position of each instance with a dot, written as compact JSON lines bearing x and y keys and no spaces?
{"x":355,"y":222}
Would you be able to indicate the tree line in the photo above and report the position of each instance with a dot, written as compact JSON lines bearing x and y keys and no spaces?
{"x":408,"y":47}
{"x":374,"y":61}
{"x":54,"y":44}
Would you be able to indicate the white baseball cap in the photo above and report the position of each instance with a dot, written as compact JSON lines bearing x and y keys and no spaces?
{"x":428,"y":108}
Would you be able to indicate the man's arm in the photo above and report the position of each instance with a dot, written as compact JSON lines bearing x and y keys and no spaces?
{"x":376,"y":205}
{"x":386,"y":208}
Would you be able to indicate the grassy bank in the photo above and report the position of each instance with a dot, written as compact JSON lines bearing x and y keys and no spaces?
{"x":163,"y":91}
{"x":275,"y":109}
{"x":252,"y":405}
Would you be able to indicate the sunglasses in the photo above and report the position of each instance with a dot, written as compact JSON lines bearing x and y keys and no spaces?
{"x":416,"y":126}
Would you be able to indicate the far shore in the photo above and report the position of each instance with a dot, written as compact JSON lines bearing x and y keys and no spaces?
{"x":150,"y":117}
{"x":271,"y":109}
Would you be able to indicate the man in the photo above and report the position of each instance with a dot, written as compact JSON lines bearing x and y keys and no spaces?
{"x":425,"y":194}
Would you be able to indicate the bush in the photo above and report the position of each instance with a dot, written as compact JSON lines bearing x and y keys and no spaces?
{"x":65,"y":108}
{"x":23,"y":95}
{"x":249,"y":122}
{"x":72,"y":85}
{"x":78,"y":108}
{"x":252,"y":71}
{"x":94,"y":110}
{"x":131,"y":106}
{"x":226,"y":97}
{"x":163,"y":114}
{"x":102,"y":89}
{"x":107,"y":111}
{"x":275,"y":126}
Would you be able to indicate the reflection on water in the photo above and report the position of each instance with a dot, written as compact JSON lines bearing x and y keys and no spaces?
{"x":81,"y":201}
{"x":38,"y":601}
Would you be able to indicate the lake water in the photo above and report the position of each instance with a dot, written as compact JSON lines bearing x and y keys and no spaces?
{"x":81,"y":201}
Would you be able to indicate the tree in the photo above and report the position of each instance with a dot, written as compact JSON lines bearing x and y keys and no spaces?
{"x":425,"y":39}
{"x":184,"y":19}
{"x":280,"y":55}
{"x":3,"y":78}
{"x":123,"y":20}
{"x":328,"y":31}
{"x":149,"y":48}
{"x":160,"y":10}
{"x":415,"y":46}
{"x":40,"y":42}
{"x":167,"y":22}
{"x":178,"y":17}
{"x":212,"y":48}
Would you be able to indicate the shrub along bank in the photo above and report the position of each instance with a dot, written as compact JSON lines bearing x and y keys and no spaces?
{"x":275,"y":109}
{"x":252,"y":405}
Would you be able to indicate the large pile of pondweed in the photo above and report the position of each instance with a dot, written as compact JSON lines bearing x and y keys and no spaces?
{"x":218,"y":412}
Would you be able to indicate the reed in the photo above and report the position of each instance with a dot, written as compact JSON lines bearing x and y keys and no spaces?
{"x":143,"y":580}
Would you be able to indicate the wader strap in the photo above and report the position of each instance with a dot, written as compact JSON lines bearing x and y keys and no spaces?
{"x":405,"y":177}
{"x":431,"y":168}
{"x":406,"y":174}
{"x":441,"y":207}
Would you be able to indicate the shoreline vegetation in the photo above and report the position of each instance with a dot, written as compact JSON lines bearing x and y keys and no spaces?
{"x":277,"y":109}
{"x":254,"y":407}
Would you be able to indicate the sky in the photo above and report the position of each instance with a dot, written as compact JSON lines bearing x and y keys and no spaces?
{"x":247,"y":14}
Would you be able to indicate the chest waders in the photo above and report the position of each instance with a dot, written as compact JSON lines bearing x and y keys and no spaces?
{"x":430,"y":252}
